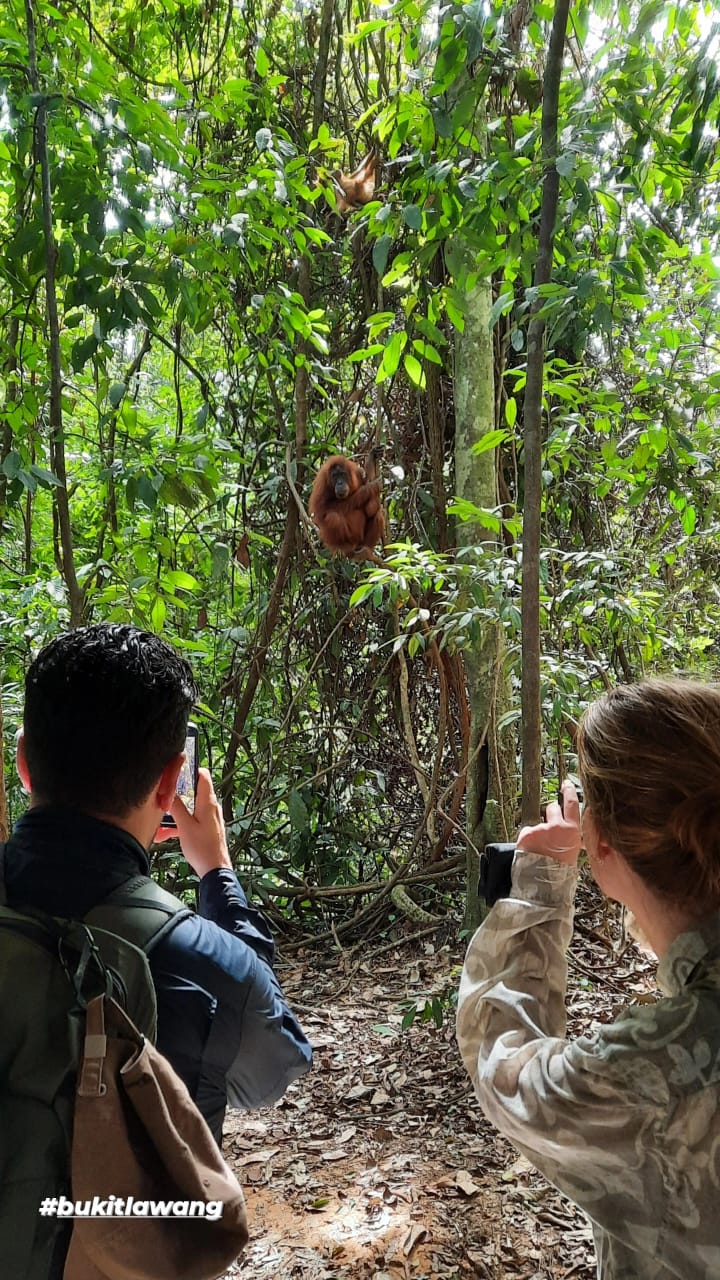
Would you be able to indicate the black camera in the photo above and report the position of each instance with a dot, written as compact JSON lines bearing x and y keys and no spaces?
{"x":496,"y":860}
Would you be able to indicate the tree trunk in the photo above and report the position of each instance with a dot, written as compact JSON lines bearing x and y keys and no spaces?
{"x":532,"y":450}
{"x":490,"y":782}
{"x":6,"y":435}
{"x":4,"y":830}
{"x":76,"y":596}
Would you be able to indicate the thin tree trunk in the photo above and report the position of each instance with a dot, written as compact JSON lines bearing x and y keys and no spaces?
{"x":76,"y":595}
{"x":4,"y":829}
{"x":491,"y":785}
{"x":436,"y":429}
{"x":532,"y":449}
{"x":6,"y":435}
{"x":12,"y":383}
{"x":321,"y":66}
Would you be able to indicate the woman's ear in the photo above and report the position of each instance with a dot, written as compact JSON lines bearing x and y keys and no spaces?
{"x":22,"y":765}
{"x":603,"y":849}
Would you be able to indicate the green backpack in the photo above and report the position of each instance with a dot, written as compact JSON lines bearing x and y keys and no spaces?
{"x":49,"y":968}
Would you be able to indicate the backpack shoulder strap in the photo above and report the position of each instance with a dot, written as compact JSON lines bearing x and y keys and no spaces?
{"x":139,"y":911}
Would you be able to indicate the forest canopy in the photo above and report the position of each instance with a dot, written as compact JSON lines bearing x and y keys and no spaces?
{"x":192,"y":320}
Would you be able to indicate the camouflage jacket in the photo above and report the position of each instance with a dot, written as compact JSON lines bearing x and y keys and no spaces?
{"x":626,"y":1121}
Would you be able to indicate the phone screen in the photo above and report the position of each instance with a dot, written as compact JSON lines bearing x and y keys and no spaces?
{"x":187,"y":781}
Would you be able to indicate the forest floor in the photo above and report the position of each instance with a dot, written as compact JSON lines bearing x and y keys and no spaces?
{"x":379,"y":1165}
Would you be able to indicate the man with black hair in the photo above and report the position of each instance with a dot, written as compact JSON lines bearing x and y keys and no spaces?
{"x":105,"y":722}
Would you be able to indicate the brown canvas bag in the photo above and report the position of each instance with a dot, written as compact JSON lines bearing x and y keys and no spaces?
{"x":137,"y":1133}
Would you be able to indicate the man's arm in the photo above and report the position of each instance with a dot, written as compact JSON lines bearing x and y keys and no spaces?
{"x":223,"y":1020}
{"x":255,"y":1046}
{"x":273,"y":1049}
{"x":222,"y":899}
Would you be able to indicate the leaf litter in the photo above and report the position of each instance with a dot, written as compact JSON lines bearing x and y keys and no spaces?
{"x":379,"y":1165}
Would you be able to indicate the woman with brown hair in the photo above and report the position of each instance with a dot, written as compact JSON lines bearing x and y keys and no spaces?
{"x":625,"y":1121}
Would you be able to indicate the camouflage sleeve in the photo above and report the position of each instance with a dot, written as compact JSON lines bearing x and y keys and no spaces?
{"x":559,"y":1102}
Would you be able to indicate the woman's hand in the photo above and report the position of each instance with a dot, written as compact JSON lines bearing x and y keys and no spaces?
{"x":559,"y":836}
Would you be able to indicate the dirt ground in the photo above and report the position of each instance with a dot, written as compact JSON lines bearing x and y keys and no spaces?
{"x":379,"y":1164}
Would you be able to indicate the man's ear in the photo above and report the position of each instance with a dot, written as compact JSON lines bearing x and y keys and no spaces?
{"x":166,"y":788}
{"x":22,"y":764}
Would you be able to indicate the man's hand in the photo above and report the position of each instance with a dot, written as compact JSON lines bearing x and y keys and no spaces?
{"x":202,"y":833}
{"x":559,"y":835}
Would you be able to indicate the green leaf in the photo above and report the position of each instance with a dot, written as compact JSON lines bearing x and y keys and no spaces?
{"x":365,"y":353}
{"x":158,"y":612}
{"x":66,"y":258}
{"x":175,"y":491}
{"x":297,"y":809}
{"x":381,"y":249}
{"x":361,"y":593}
{"x":47,"y":479}
{"x":469,"y":513}
{"x":566,"y":163}
{"x":12,"y":464}
{"x":391,"y":356}
{"x":489,"y":440}
{"x":412,"y":217}
{"x":146,"y":492}
{"x":426,"y":351}
{"x":220,"y":559}
{"x":500,"y":306}
{"x":415,"y":371}
{"x":116,"y":393}
{"x":145,"y":157}
{"x":455,"y":307}
{"x":262,"y":62}
{"x":178,"y":578}
{"x":236,"y":90}
{"x":27,"y":480}
{"x":82,"y":351}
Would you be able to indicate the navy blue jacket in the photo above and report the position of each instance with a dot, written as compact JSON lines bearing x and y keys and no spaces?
{"x":223,"y":1021}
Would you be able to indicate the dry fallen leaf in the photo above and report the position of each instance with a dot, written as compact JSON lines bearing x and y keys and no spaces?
{"x":413,"y":1237}
{"x":518,"y":1167}
{"x":258,"y":1157}
{"x":379,"y":1098}
{"x":460,"y":1181}
{"x":465,"y":1183}
{"x":358,"y":1091}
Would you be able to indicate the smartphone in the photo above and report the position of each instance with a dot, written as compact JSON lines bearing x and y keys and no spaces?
{"x":578,"y":787}
{"x":187,"y":782}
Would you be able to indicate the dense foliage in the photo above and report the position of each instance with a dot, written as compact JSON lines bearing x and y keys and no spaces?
{"x":166,"y":185}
